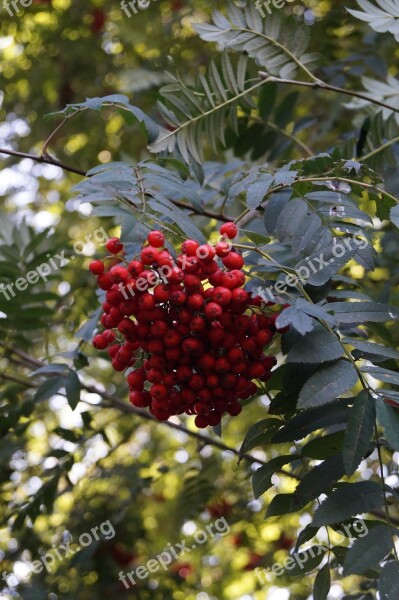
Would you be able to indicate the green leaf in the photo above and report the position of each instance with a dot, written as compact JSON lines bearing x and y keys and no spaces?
{"x":267,"y":99}
{"x":305,"y":535}
{"x":361,"y":312}
{"x":316,"y":347}
{"x":299,"y":320}
{"x":388,"y":417}
{"x":372,"y":348}
{"x":85,"y":332}
{"x":359,"y":431}
{"x":259,"y":434}
{"x":368,"y":551}
{"x":281,"y":504}
{"x":311,"y":420}
{"x":262,"y":478}
{"x":265,"y":40}
{"x":322,"y":584}
{"x":382,"y":18}
{"x":324,"y":446}
{"x":304,"y":561}
{"x":257,"y":238}
{"x":348,"y":500}
{"x":394,"y":215}
{"x":388,"y":583}
{"x":381,"y":374}
{"x":319,"y":480}
{"x":327,"y":384}
{"x":49,"y":388}
{"x":72,"y":388}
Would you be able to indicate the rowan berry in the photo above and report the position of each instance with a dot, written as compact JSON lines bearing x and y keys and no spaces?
{"x":229,"y":230}
{"x":213,"y":310}
{"x":189,"y":247}
{"x":233,"y":261}
{"x":222,"y":249}
{"x":206,"y":253}
{"x":149,"y":255}
{"x":156,"y":239}
{"x":114,"y":245}
{"x":96,"y":267}
{"x":222,"y":296}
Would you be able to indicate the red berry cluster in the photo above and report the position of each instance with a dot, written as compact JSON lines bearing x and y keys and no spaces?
{"x":193,"y":335}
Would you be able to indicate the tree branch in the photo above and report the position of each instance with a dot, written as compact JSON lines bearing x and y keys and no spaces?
{"x":319,"y":84}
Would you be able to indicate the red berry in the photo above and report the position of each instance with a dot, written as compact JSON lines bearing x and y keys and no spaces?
{"x":100,"y":342}
{"x":206,"y":362}
{"x":206,"y":253}
{"x":201,"y":421}
{"x":118,"y":274}
{"x":222,"y":296}
{"x":195,"y":301}
{"x":234,"y":409}
{"x":189,"y":247}
{"x":105,"y":282}
{"x":140,"y":399}
{"x":159,"y":391}
{"x":96,"y":267}
{"x":213,"y":310}
{"x":136,"y":379}
{"x":229,"y":230}
{"x":149,"y":256}
{"x":114,"y":245}
{"x":161,"y":293}
{"x":135,"y":267}
{"x":147,"y":301}
{"x":222,"y":249}
{"x":154,"y":376}
{"x":156,"y":239}
{"x":233,"y":261}
{"x":172,"y":338}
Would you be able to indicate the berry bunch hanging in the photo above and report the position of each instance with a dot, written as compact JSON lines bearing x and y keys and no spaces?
{"x":188,"y":334}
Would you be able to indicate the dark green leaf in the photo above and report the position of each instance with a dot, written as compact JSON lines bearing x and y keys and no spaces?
{"x":262,"y":478}
{"x":322,"y":583}
{"x":324,"y":446}
{"x":319,"y":480}
{"x":316,"y":347}
{"x":311,"y":420}
{"x":72,"y":388}
{"x":281,"y":504}
{"x":348,"y":500}
{"x":259,"y":434}
{"x":366,"y":552}
{"x":361,"y":312}
{"x":381,"y":374}
{"x":359,"y":431}
{"x":304,"y":561}
{"x":388,"y":584}
{"x":327,"y":384}
{"x":388,"y":417}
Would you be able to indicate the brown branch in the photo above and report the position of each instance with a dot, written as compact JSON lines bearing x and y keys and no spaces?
{"x":44,"y":159}
{"x":49,"y":160}
{"x":319,"y":84}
